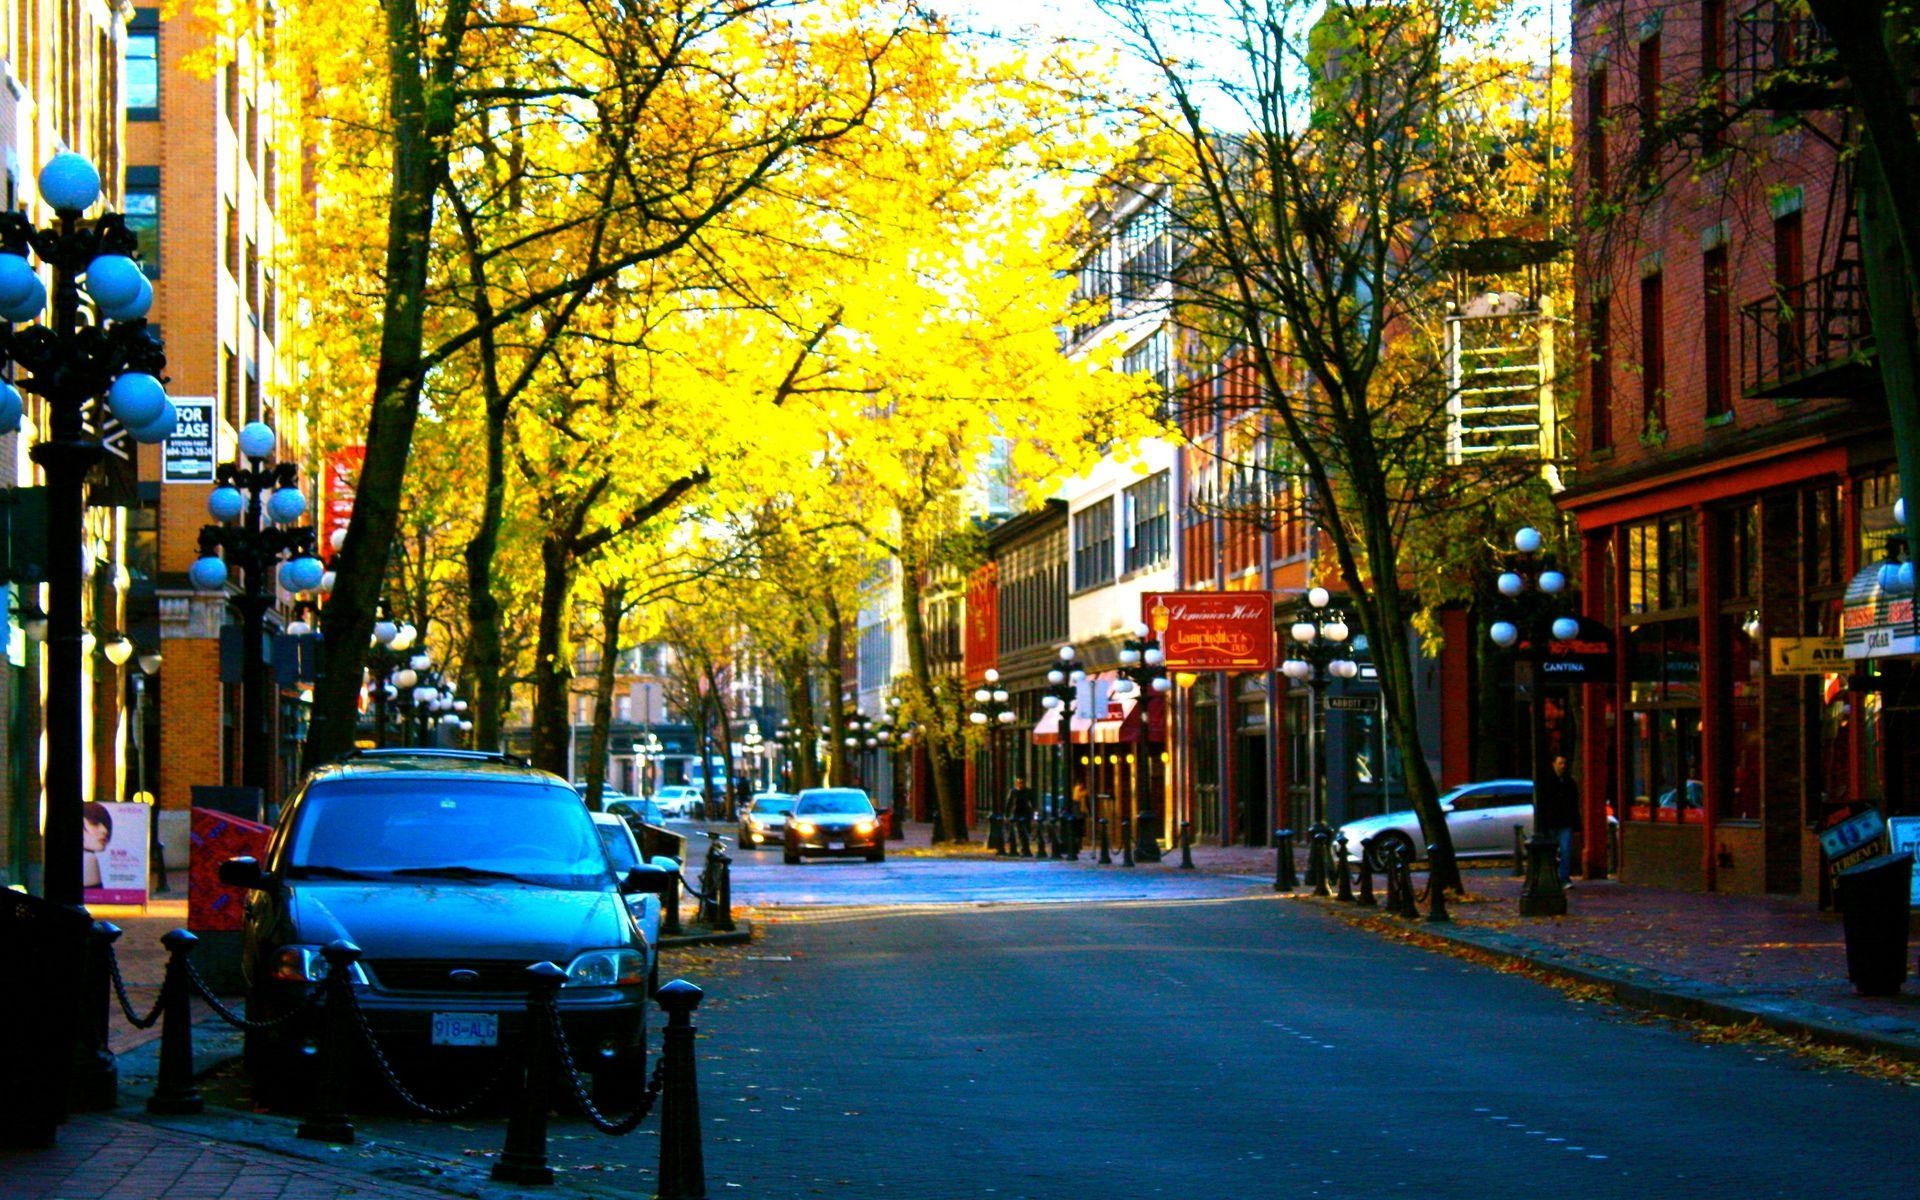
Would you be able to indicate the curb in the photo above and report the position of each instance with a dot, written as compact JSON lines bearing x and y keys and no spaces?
{"x":711,"y":937}
{"x":1666,"y":995}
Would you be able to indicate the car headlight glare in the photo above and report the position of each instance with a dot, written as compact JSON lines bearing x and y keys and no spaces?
{"x":803,"y":828}
{"x":305,"y":964}
{"x":607,"y":968}
{"x":863,"y":827}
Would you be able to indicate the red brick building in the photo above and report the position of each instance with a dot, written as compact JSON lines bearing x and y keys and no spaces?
{"x":1735,"y":463}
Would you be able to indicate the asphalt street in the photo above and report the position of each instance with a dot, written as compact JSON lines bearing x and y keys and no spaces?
{"x":943,"y":1030}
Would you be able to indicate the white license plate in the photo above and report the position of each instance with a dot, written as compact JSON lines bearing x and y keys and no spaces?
{"x":466,"y":1029}
{"x":836,"y":845}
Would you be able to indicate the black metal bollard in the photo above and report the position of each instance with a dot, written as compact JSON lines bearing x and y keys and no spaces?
{"x":670,"y":905}
{"x":175,"y":1092}
{"x":1542,"y":895}
{"x":1146,"y":847}
{"x":994,"y":841}
{"x":1186,"y":845}
{"x":1039,"y":824}
{"x":716,"y":888}
{"x":1126,"y":841}
{"x":327,"y":1121}
{"x":1436,"y":896}
{"x":1284,"y":877}
{"x":1366,"y":898}
{"x":682,"y":1173}
{"x":1106,"y":857}
{"x":523,"y":1159}
{"x":1520,"y":851}
{"x":1409,"y":900}
{"x":1063,"y":837}
{"x":94,"y":1084}
{"x":1340,"y":864}
{"x":1320,"y":858}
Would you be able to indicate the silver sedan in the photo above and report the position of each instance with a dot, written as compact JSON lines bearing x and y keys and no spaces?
{"x":1480,"y":816}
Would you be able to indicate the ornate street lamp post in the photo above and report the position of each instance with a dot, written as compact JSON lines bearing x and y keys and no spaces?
{"x":1141,"y":662}
{"x":386,"y":655}
{"x":1062,"y":691}
{"x":256,"y":504}
{"x":1319,"y":654}
{"x":98,"y":372}
{"x":991,"y":711}
{"x":1532,"y":617}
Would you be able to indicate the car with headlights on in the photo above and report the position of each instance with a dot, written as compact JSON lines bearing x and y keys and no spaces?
{"x":763,"y":822}
{"x":1480,"y":818}
{"x":453,"y":873}
{"x":837,"y":822}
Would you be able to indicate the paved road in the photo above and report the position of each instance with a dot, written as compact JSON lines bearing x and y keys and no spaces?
{"x":1238,"y":1046}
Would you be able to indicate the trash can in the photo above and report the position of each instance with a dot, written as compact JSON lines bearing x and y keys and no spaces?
{"x":1874,"y":900}
{"x":43,"y":949}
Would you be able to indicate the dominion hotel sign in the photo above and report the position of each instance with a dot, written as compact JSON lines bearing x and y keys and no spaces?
{"x":1212,"y":631}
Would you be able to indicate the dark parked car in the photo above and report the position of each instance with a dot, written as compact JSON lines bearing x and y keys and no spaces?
{"x":834,"y":821}
{"x":452,"y":873}
{"x":763,"y":821}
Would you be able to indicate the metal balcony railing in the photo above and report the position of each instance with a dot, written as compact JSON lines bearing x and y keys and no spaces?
{"x":1810,"y":339}
{"x":1779,"y":58}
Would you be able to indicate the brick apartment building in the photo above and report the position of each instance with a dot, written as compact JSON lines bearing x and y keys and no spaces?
{"x":1735,"y":464}
{"x":202,"y":170}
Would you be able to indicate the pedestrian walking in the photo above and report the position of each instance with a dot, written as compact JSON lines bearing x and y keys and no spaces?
{"x":1556,"y":811}
{"x":1020,"y":799}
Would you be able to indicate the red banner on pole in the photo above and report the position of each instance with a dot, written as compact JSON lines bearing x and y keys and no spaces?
{"x":336,"y":496}
{"x":1212,"y":631}
{"x":980,"y":645}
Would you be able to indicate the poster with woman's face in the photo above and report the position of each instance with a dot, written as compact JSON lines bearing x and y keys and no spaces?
{"x":113,"y":841}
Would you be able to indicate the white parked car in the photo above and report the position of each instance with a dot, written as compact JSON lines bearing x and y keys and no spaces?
{"x":680,"y":801}
{"x":1480,"y":817}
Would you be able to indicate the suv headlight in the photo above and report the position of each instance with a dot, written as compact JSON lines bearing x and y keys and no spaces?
{"x":607,"y":968}
{"x":305,"y":964}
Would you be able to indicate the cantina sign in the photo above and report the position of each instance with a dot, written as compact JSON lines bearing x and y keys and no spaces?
{"x":1212,"y":631}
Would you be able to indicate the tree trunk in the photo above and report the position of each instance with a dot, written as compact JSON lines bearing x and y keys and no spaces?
{"x":950,"y":819}
{"x":613,"y":606}
{"x":485,"y":655}
{"x":805,"y":723}
{"x":721,"y":726}
{"x":838,"y":774}
{"x":421,"y":115}
{"x":552,"y":668}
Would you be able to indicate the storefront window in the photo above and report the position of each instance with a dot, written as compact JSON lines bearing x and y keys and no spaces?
{"x":1746,"y":669}
{"x":1664,"y":766}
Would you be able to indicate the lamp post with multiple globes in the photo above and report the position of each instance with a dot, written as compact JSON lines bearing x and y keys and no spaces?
{"x":1319,"y":655}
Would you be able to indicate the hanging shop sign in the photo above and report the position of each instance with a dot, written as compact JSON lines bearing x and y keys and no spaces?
{"x":1807,"y":655}
{"x":1212,"y":631}
{"x":336,"y":495}
{"x":1877,"y":622}
{"x":1587,"y":657}
{"x":1854,"y":840}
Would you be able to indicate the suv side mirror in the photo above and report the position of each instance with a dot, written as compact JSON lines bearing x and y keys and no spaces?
{"x":244,"y":873}
{"x":648,"y":880}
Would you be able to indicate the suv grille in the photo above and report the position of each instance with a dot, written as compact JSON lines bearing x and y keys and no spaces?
{"x":434,"y":974}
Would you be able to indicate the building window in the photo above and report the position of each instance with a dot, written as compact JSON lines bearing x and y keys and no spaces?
{"x":1093,"y":546}
{"x":1149,"y":523}
{"x":140,"y":68}
{"x":1597,"y":142}
{"x":1653,"y":357}
{"x":1600,"y":375}
{"x":142,"y":210}
{"x":1663,"y":565}
{"x":623,"y":708}
{"x":1713,"y":71}
{"x":232,"y":242}
{"x":1715,"y":324}
{"x":1649,"y":101}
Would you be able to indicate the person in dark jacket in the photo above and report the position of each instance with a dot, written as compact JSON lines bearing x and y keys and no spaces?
{"x":1556,"y":812}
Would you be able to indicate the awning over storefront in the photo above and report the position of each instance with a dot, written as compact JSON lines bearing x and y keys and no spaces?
{"x":1046,"y":731}
{"x":1877,"y":619}
{"x":1134,"y":721}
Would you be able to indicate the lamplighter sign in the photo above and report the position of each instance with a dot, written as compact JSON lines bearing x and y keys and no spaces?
{"x":1212,"y":631}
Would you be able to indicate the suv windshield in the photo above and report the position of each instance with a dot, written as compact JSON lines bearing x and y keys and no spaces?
{"x":456,"y":826}
{"x":834,"y":800}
